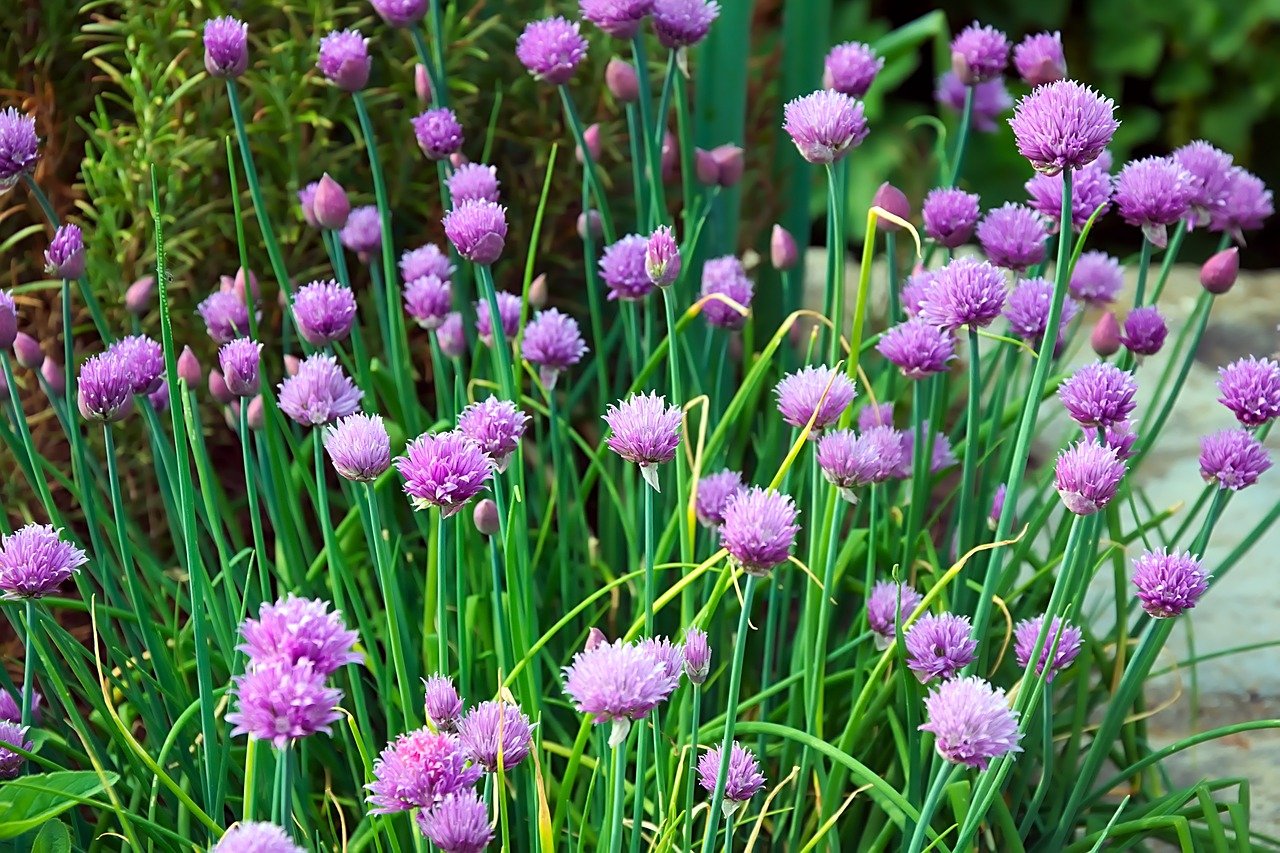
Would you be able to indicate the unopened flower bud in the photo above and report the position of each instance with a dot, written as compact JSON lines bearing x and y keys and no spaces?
{"x":893,"y":200}
{"x":218,"y":388}
{"x":591,"y":136}
{"x":485,"y":516}
{"x":783,"y":252}
{"x":330,"y":206}
{"x":620,"y":77}
{"x":1218,"y":274}
{"x":291,"y":363}
{"x":1106,"y":335}
{"x":137,"y":299}
{"x":457,"y":160}
{"x":27,"y":351}
{"x":730,"y":162}
{"x":705,"y":167}
{"x":422,"y":85}
{"x":256,"y":414}
{"x":189,"y":370}
{"x":595,"y":637}
{"x":538,"y":291}
{"x":54,"y":377}
{"x":589,"y":222}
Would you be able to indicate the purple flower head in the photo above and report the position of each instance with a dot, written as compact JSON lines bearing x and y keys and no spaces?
{"x":1098,"y":394}
{"x":105,"y":388}
{"x":324,"y":312}
{"x":444,"y":470}
{"x":443,"y":704}
{"x":1039,"y":59}
{"x":344,"y":59}
{"x":950,"y":216}
{"x":726,"y":276}
{"x":818,"y":392}
{"x":478,"y":230}
{"x":10,"y":761}
{"x":496,"y":425}
{"x":1013,"y":236}
{"x":451,"y":336}
{"x":1028,"y":309}
{"x":508,"y":314}
{"x":913,"y":290}
{"x":1144,"y":331}
{"x":11,"y":712}
{"x":307,"y":203}
{"x":714,"y":492}
{"x":622,"y":266}
{"x":225,"y":315}
{"x":358,"y":447}
{"x":825,"y":125}
{"x":1169,"y":584}
{"x":759,"y":529}
{"x":883,"y":604}
{"x":256,"y":837}
{"x":743,"y":781}
{"x":474,"y":180}
{"x":941,"y":458}
{"x":1063,"y":125}
{"x":850,"y":461}
{"x":1097,"y":278}
{"x":1210,"y":171}
{"x":417,"y":770}
{"x":697,"y":655}
{"x":851,"y":68}
{"x":1087,"y":476}
{"x":427,"y":300}
{"x":1119,"y":436}
{"x":8,"y":320}
{"x":65,"y":256}
{"x":979,"y":53}
{"x":1105,"y":337}
{"x":619,"y":18}
{"x":283,"y":702}
{"x":1234,"y":458}
{"x":940,"y":646}
{"x":552,"y":49}
{"x":683,"y":23}
{"x":964,"y":293}
{"x":295,"y":629}
{"x":1091,"y":188}
{"x":226,"y":47}
{"x":319,"y":392}
{"x":19,"y":146}
{"x":34,"y":561}
{"x":669,"y":654}
{"x":239,"y":361}
{"x":458,"y":823}
{"x":400,"y":13}
{"x":438,"y":133}
{"x":997,"y":506}
{"x":990,"y":99}
{"x":1247,"y":205}
{"x":143,"y":360}
{"x":159,"y":400}
{"x":1250,"y":388}
{"x":423,"y":261}
{"x":662,"y":257}
{"x":875,"y":415}
{"x":617,"y":682}
{"x":971,"y":722}
{"x":1218,"y":273}
{"x":363,"y":232}
{"x":1153,"y":193}
{"x":644,"y":430}
{"x":1064,"y":639}
{"x":783,"y":251}
{"x":621,"y":79}
{"x":495,"y":735}
{"x":553,"y":343}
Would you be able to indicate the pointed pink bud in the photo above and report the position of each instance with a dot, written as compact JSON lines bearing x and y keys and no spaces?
{"x":137,"y":299}
{"x":620,"y":77}
{"x":1106,"y":335}
{"x":54,"y":377}
{"x":27,"y":350}
{"x":457,"y":160}
{"x":218,"y":388}
{"x":894,"y":200}
{"x":330,"y":207}
{"x":236,"y":285}
{"x":1218,"y":274}
{"x":291,"y":364}
{"x":960,"y":67}
{"x":731,"y":161}
{"x":705,"y":167}
{"x":422,"y":85}
{"x":783,"y":252}
{"x":589,"y":222}
{"x":591,"y":136}
{"x":231,"y":413}
{"x":538,"y":291}
{"x":256,"y":414}
{"x":485,"y":516}
{"x":189,"y":370}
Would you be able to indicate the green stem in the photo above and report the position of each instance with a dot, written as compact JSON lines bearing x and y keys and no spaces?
{"x":619,"y":794}
{"x":931,"y":801}
{"x":964,"y":511}
{"x":962,"y":139}
{"x":442,"y":596}
{"x":835,"y":254}
{"x":391,"y":594}
{"x":500,"y":349}
{"x":692,"y":769}
{"x":686,"y":530}
{"x":1171,"y":255}
{"x":251,"y":491}
{"x":1144,"y":267}
{"x":588,"y":164}
{"x":28,"y":445}
{"x":90,"y":301}
{"x":499,"y":632}
{"x":255,"y":192}
{"x":28,"y":660}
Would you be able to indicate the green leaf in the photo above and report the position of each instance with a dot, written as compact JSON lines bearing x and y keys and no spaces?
{"x":54,"y":837}
{"x":27,"y":803}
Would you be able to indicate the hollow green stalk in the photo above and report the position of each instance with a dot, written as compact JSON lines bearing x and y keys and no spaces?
{"x":962,"y":139}
{"x":965,"y":508}
{"x":686,"y":531}
{"x":835,"y":257}
{"x":932,"y":799}
{"x":255,"y":192}
{"x":695,"y":721}
{"x":28,"y":659}
{"x":392,"y":596}
{"x":588,"y":163}
{"x":619,"y":794}
{"x":255,"y":515}
{"x":442,"y":595}
{"x":500,"y":349}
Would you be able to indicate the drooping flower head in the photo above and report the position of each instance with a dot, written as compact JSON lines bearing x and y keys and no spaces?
{"x":256,"y":837}
{"x":851,"y":460}
{"x":458,"y":823}
{"x":964,"y":293}
{"x":11,"y":762}
{"x":344,"y":59}
{"x":1028,"y":310}
{"x":1098,"y":394}
{"x":417,"y":770}
{"x":319,"y":393}
{"x":443,"y":704}
{"x":509,"y":307}
{"x":428,"y":259}
{"x":444,"y":470}
{"x":1153,"y":193}
{"x":644,"y":430}
{"x":551,"y":49}
{"x":65,"y":256}
{"x":1091,"y":188}
{"x":979,"y":53}
{"x":428,"y":299}
{"x":1087,"y":476}
{"x":617,"y":682}
{"x":714,"y":491}
{"x":883,"y":604}
{"x":825,"y":125}
{"x":619,"y":18}
{"x":726,"y":276}
{"x":239,"y":361}
{"x":282,"y":702}
{"x":697,"y":655}
{"x":359,"y":447}
{"x":990,"y":100}
{"x":495,"y":735}
{"x":143,"y":361}
{"x":477,"y":228}
{"x":622,"y":266}
{"x":683,"y":23}
{"x":818,"y":392}
{"x":226,"y":47}
{"x":939,"y":646}
{"x":496,"y":425}
{"x":759,"y":529}
{"x":743,"y":781}
{"x":105,"y":388}
{"x":294,"y":629}
{"x":1013,"y":236}
{"x":1250,"y":388}
{"x":1063,"y":125}
{"x":1169,"y":584}
{"x":1234,"y":458}
{"x":1039,"y":59}
{"x":1144,"y":331}
{"x":438,"y":133}
{"x":662,"y":257}
{"x":851,"y":68}
{"x":1210,"y":171}
{"x":225,"y":315}
{"x":552,"y":342}
{"x":474,"y":180}
{"x":1097,"y":278}
{"x":1063,"y":637}
{"x":1247,"y":205}
{"x":971,"y":722}
{"x":35,"y":561}
{"x":950,"y":216}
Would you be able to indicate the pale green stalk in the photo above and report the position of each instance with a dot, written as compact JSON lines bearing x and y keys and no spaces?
{"x":391,"y":595}
{"x":931,"y":801}
{"x":255,"y":515}
{"x":588,"y":163}
{"x":619,"y":794}
{"x":28,"y":659}
{"x":962,"y":139}
{"x":499,"y":349}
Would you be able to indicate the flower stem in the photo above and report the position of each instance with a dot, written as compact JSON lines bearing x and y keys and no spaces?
{"x":442,"y":596}
{"x":930,"y":803}
{"x":964,"y":511}
{"x":588,"y":163}
{"x":500,"y":349}
{"x":835,"y":258}
{"x":619,"y":794}
{"x":28,"y":661}
{"x":685,"y":529}
{"x":962,"y":139}
{"x":499,"y":633}
{"x":90,"y":301}
{"x":1144,"y":268}
{"x":391,"y":595}
{"x":695,"y":723}
{"x":255,"y":516}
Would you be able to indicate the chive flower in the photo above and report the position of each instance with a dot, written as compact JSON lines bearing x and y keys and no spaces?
{"x":662,"y":257}
{"x":478,"y":230}
{"x":35,"y":561}
{"x":669,"y":654}
{"x":964,"y":293}
{"x":1144,"y":331}
{"x":1210,"y":171}
{"x":1091,"y":188}
{"x":1097,"y":278}
{"x":11,"y":712}
{"x":551,"y":49}
{"x":496,"y":425}
{"x":850,"y":460}
{"x":990,"y":100}
{"x":283,"y":702}
{"x":759,"y":529}
{"x":818,"y":392}
{"x":426,"y":260}
{"x":19,"y":146}
{"x":8,"y":320}
{"x":239,"y":361}
{"x":825,"y":125}
{"x":307,"y":203}
{"x":359,"y":447}
{"x":783,"y":251}
{"x":495,"y":735}
{"x":1105,"y":337}
{"x":443,"y":704}
{"x":324,"y":312}
{"x":105,"y":388}
{"x":619,"y":18}
{"x":1013,"y":236}
{"x":11,"y":762}
{"x":363,"y":232}
{"x":295,"y":629}
{"x":143,"y":361}
{"x":939,"y":646}
{"x":1087,"y":476}
{"x":438,"y":133}
{"x":942,"y":457}
{"x":1234,"y":458}
{"x":458,"y":823}
{"x":256,"y":837}
{"x":683,"y":23}
{"x":451,"y":336}
{"x":1153,"y":193}
{"x":714,"y":492}
{"x":1169,"y":584}
{"x":971,"y":722}
{"x":727,"y":277}
{"x":622,"y":266}
{"x":474,"y":181}
{"x":1064,"y":638}
{"x":644,"y":430}
{"x":950,"y":215}
{"x":400,"y":13}
{"x":1098,"y":394}
{"x":875,"y":415}
{"x":1063,"y":125}
{"x":979,"y":53}
{"x":743,"y":781}
{"x":509,"y":307}
{"x":1218,"y":273}
{"x":344,"y":59}
{"x":617,"y":682}
{"x":225,"y":315}
{"x":1247,"y":205}
{"x":319,"y":393}
{"x":1250,"y":389}
{"x":65,"y":256}
{"x":851,"y":68}
{"x":1119,"y":436}
{"x":444,"y":470}
{"x":330,"y":206}
{"x":226,"y":47}
{"x":697,"y":655}
{"x":1027,"y":310}
{"x":912,"y":293}
{"x":1040,"y":60}
{"x":427,"y":299}
{"x":553,"y":343}
{"x":417,"y":770}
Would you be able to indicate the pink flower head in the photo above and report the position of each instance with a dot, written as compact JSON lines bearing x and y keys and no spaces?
{"x":1028,"y":310}
{"x":282,"y":702}
{"x":427,"y":259}
{"x":324,"y":312}
{"x":619,"y":18}
{"x":1087,"y":476}
{"x":697,"y":655}
{"x":726,"y":276}
{"x":226,"y":47}
{"x":1064,"y":638}
{"x":940,"y":646}
{"x":443,"y":705}
{"x":964,"y":293}
{"x":477,"y":228}
{"x":759,"y":529}
{"x":35,"y":561}
{"x":1144,"y":331}
{"x":818,"y":392}
{"x":363,"y":232}
{"x":825,"y":125}
{"x":417,"y":770}
{"x":451,"y":336}
{"x":344,"y":59}
{"x":617,"y":681}
{"x":438,"y":133}
{"x":1091,"y":188}
{"x":474,"y":180}
{"x":950,"y":216}
{"x":1097,"y":278}
{"x":714,"y":492}
{"x":400,"y":13}
{"x":683,"y":23}
{"x":551,"y":49}
{"x":1098,"y":394}
{"x":359,"y":447}
{"x":496,"y":425}
{"x":1153,"y":193}
{"x":1234,"y":458}
{"x":1063,"y":125}
{"x":990,"y":100}
{"x":1039,"y":59}
{"x":427,"y":300}
{"x":553,"y":343}
{"x":852,"y":460}
{"x":1210,"y":171}
{"x":143,"y":361}
{"x":319,"y":392}
{"x":662,"y":257}
{"x":65,"y":256}
{"x":225,"y":315}
{"x":851,"y":68}
{"x":884,"y":603}
{"x":495,"y":735}
{"x":19,"y":146}
{"x":256,"y":837}
{"x":979,"y":53}
{"x":971,"y":722}
{"x":1250,"y":388}
{"x":644,"y":430}
{"x":1247,"y":205}
{"x":105,"y":388}
{"x":294,"y":629}
{"x":622,"y":266}
{"x":744,"y":779}
{"x":444,"y":470}
{"x":239,"y":361}
{"x":1169,"y":584}
{"x":509,"y":307}
{"x":458,"y":823}
{"x":1013,"y":236}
